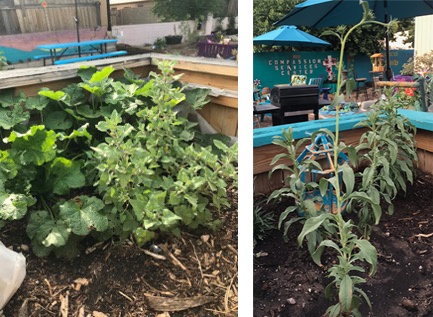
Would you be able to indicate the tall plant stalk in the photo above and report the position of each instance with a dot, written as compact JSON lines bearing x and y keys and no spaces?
{"x":351,"y":84}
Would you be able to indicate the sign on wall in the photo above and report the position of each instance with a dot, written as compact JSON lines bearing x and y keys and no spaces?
{"x":274,"y":68}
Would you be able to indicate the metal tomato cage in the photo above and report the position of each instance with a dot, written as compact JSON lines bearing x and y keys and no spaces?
{"x":323,"y":148}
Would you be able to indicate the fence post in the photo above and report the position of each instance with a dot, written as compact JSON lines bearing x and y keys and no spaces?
{"x":424,"y":96}
{"x":98,"y":13}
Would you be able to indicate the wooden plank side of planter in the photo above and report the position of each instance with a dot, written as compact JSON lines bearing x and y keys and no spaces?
{"x":424,"y":140}
{"x":48,"y":74}
{"x":221,"y":118}
{"x":218,"y":75}
{"x":426,"y":165}
{"x":263,"y":155}
{"x":263,"y":184}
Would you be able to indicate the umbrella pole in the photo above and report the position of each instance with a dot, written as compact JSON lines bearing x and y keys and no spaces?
{"x":290,"y":64}
{"x":77,"y":23}
{"x":388,"y":72}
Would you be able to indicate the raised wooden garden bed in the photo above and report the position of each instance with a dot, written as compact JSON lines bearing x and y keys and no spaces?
{"x":264,"y":150}
{"x":220,"y":76}
{"x":286,"y":280}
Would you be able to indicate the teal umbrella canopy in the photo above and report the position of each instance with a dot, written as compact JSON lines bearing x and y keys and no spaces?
{"x":289,"y":35}
{"x":322,"y":13}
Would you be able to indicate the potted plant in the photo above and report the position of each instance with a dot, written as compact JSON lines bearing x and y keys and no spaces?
{"x":235,"y":54}
{"x":173,"y":39}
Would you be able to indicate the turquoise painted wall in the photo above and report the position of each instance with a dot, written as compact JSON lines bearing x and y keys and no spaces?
{"x":271,"y":68}
{"x":15,"y":56}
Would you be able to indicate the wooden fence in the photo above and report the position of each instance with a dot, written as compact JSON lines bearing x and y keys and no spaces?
{"x":264,"y":151}
{"x":29,"y":16}
{"x":215,"y":49}
{"x":219,"y":75}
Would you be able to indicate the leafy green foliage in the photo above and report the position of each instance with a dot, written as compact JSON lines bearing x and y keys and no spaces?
{"x":177,"y":10}
{"x":367,"y":39}
{"x":297,"y":190}
{"x":157,"y":170}
{"x":390,"y":150}
{"x":110,"y":158}
{"x":263,"y":222}
{"x":37,"y":146}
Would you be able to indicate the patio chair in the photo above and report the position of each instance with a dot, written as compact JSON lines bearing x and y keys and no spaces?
{"x":299,"y":80}
{"x":324,"y":90}
{"x":360,"y":80}
{"x":258,"y":98}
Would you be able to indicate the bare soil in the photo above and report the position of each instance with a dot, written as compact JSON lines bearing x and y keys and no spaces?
{"x":402,"y":286}
{"x":117,"y":279}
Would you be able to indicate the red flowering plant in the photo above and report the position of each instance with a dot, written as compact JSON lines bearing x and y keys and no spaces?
{"x":409,"y":98}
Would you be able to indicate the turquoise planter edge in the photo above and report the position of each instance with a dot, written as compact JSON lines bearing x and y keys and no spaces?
{"x":264,"y":136}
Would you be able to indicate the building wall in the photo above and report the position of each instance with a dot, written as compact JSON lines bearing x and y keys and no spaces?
{"x":423,"y":38}
{"x":148,"y":33}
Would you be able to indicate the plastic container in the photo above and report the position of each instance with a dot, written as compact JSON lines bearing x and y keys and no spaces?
{"x":12,"y":273}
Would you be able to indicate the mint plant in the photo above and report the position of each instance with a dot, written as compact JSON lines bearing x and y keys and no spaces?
{"x":153,"y":174}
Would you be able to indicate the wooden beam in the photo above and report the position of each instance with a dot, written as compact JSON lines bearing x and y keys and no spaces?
{"x":263,"y":155}
{"x":424,"y":140}
{"x":201,"y":64}
{"x":225,"y":101}
{"x":39,"y":75}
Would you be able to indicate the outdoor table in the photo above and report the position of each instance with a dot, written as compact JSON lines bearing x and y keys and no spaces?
{"x":376,"y":74}
{"x":98,"y":45}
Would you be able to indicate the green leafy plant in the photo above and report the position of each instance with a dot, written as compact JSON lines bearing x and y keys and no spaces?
{"x":348,"y":306}
{"x":297,"y":190}
{"x":391,"y":150}
{"x":350,"y":249}
{"x":108,"y":158}
{"x":263,"y":222}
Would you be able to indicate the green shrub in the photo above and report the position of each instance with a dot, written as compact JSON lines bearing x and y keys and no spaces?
{"x":109,"y":158}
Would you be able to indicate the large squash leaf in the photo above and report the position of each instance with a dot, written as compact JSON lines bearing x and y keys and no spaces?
{"x":14,"y":206}
{"x":11,"y":117}
{"x":37,"y":146}
{"x":46,"y":230}
{"x":58,"y":120}
{"x":83,"y":214}
{"x":64,"y":175}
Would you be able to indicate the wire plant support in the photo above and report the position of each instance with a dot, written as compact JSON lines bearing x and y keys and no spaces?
{"x":320,"y":150}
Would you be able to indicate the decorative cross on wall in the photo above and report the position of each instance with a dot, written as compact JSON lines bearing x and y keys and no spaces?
{"x":328,"y":63}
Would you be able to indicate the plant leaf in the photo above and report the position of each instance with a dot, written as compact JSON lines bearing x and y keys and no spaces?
{"x":82,"y":214}
{"x":57,"y":120}
{"x":64,"y":175}
{"x":14,"y":206}
{"x":345,"y":294}
{"x":37,"y":146}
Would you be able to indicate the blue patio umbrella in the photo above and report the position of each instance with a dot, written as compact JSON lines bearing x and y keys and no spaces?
{"x":290,"y":36}
{"x":321,"y":13}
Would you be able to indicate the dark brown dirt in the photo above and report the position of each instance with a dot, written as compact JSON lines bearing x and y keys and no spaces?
{"x":120,"y":276}
{"x":402,"y":286}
